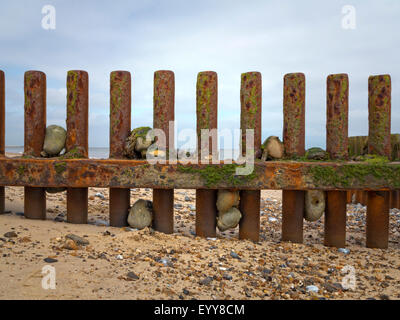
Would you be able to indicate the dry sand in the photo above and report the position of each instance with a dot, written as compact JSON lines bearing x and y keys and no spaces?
{"x":265,"y":270}
{"x":182,"y":266}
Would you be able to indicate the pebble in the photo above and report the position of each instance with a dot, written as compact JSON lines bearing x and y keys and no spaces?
{"x":119,"y":257}
{"x":272,"y":219}
{"x":166,"y":262}
{"x":211,"y":239}
{"x":312,"y":288}
{"x":133,"y":276}
{"x":79,"y":240}
{"x":187,"y":198}
{"x":344,"y":250}
{"x":234,"y":255}
{"x":206,"y":281}
{"x":50,"y":260}
{"x":227,"y":276}
{"x":185,"y":291}
{"x":10,"y":234}
{"x":100,"y":195}
{"x":70,"y":245}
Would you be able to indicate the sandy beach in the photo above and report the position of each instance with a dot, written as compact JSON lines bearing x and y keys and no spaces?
{"x":123,"y":263}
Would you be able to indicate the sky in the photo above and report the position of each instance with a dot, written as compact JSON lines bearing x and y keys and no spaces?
{"x":228,"y":37}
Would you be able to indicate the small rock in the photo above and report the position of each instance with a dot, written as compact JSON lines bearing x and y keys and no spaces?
{"x":312,"y":288}
{"x":10,"y":234}
{"x":185,"y":291}
{"x":211,"y":239}
{"x":234,"y":255}
{"x":227,"y":276}
{"x":141,"y":214}
{"x":79,"y":240}
{"x":187,"y":198}
{"x":166,"y":262}
{"x":206,"y":281}
{"x":119,"y":257}
{"x":132,"y":276}
{"x":384,"y":297}
{"x":344,"y":250}
{"x":70,"y":245}
{"x":50,"y":260}
{"x":272,"y":219}
{"x":100,"y":195}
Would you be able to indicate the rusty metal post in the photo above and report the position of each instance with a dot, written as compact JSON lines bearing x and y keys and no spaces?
{"x":77,"y":139}
{"x":207,"y":118}
{"x":294,"y":143}
{"x":379,"y":115}
{"x":337,"y":117}
{"x":120,"y":127}
{"x":164,"y":112}
{"x":250,"y":118}
{"x":35,"y":129}
{"x":2,"y":133}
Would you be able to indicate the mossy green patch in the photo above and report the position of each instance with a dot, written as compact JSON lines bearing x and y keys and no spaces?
{"x":213,"y":174}
{"x":60,"y":167}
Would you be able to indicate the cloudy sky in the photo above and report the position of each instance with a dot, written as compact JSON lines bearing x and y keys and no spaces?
{"x":229,"y":37}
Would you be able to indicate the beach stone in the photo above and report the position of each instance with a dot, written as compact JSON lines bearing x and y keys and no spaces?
{"x":272,"y":149}
{"x":314,"y":205}
{"x":229,"y":219}
{"x":11,"y":234}
{"x":227,"y":199}
{"x":79,"y":240}
{"x":206,"y":281}
{"x":132,"y":276}
{"x":141,"y":214}
{"x":136,"y":144}
{"x":54,"y":141}
{"x":317,"y":154}
{"x":50,"y":260}
{"x":312,"y":288}
{"x":70,"y":245}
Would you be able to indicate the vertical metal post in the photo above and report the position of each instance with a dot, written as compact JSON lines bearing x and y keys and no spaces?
{"x":77,"y":139}
{"x":207,"y":118}
{"x":35,"y":129}
{"x":163,"y":113}
{"x":120,"y":127}
{"x":294,"y":143}
{"x":337,"y":145}
{"x":379,"y":115}
{"x":2,"y":134}
{"x":250,"y":118}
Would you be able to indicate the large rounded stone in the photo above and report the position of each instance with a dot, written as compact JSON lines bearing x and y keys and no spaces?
{"x":141,"y":214}
{"x":227,"y":199}
{"x":137,"y":144}
{"x":314,"y":205}
{"x":229,"y":219}
{"x":317,"y":154}
{"x":272,"y":149}
{"x":54,"y":141}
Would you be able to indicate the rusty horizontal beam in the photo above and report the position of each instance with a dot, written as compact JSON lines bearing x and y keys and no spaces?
{"x":115,"y":173}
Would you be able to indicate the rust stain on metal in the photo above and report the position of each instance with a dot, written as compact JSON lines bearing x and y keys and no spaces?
{"x":250,"y":101}
{"x":164,"y":102}
{"x":77,"y":112}
{"x":207,"y":118}
{"x":120,"y":127}
{"x":77,"y":140}
{"x":250,"y":118}
{"x":379,"y":115}
{"x":207,"y":104}
{"x":378,"y":219}
{"x":337,"y":116}
{"x":294,"y":114}
{"x":337,"y":90}
{"x":120,"y":112}
{"x":164,"y":112}
{"x":35,"y":112}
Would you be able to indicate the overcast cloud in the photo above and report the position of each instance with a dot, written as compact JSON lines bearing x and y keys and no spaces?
{"x":229,"y":37}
